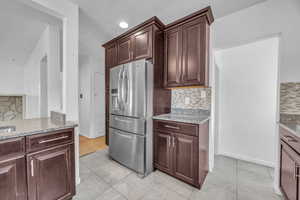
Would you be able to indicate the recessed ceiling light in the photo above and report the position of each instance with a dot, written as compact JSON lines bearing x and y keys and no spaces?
{"x":123,"y":24}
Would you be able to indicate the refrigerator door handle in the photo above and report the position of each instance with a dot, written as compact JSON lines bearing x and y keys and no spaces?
{"x":125,"y":86}
{"x":119,"y":89}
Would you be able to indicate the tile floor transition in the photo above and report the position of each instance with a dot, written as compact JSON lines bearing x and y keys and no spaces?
{"x":104,"y":179}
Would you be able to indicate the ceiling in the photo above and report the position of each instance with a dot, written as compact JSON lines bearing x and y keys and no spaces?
{"x":107,"y":14}
{"x":21,"y":28}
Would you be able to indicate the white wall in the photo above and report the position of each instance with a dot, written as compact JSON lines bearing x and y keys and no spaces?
{"x":11,"y":79}
{"x":248,"y":77}
{"x":48,"y":45}
{"x":263,"y":20}
{"x":91,"y":64}
{"x":260,"y":21}
{"x":32,"y":76}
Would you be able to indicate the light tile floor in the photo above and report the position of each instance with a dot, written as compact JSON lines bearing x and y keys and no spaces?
{"x":104,"y":179}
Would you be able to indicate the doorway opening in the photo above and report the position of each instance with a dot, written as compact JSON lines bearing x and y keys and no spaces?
{"x":247,"y":101}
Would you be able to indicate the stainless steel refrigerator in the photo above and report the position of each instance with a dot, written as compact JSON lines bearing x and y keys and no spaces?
{"x":130,"y":132}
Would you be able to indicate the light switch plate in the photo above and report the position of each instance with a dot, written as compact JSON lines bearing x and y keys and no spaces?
{"x":187,"y":100}
{"x":203,"y":94}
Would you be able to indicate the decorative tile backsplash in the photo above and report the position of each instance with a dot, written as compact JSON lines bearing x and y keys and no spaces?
{"x":190,"y":98}
{"x":290,"y":98}
{"x":11,"y":108}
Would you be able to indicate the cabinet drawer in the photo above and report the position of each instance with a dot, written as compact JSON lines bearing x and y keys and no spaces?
{"x":42,"y":141}
{"x":290,"y":139}
{"x":11,"y":147}
{"x":177,"y":127}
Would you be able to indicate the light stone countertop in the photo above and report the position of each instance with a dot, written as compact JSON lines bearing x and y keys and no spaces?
{"x":32,"y":126}
{"x":291,"y":127}
{"x":186,"y":116}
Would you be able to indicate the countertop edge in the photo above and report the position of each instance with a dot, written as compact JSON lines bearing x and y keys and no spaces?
{"x":288,"y":129}
{"x":182,"y":121}
{"x":29,"y":133}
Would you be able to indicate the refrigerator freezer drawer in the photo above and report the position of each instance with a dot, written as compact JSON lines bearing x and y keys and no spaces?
{"x":127,"y":149}
{"x":127,"y":124}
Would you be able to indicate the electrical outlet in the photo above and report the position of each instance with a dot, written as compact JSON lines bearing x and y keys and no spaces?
{"x":203,"y":94}
{"x":187,"y":100}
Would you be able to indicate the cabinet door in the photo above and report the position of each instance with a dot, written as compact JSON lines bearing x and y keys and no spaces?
{"x":111,"y":55}
{"x":53,"y":169}
{"x":186,"y":158}
{"x":163,"y":151}
{"x":288,"y":172}
{"x":142,"y":44}
{"x":124,"y":50}
{"x":195,"y":50}
{"x":172,"y":58}
{"x":13,"y":179}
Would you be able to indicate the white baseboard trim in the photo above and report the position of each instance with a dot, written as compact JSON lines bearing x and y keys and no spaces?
{"x":277,"y":190}
{"x":77,"y":180}
{"x":248,"y":159}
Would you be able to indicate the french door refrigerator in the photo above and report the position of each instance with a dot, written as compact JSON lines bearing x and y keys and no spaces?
{"x":130,"y":132}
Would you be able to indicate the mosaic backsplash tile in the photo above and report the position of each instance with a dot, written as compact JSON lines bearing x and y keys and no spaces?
{"x":195,"y":101}
{"x":290,"y":98}
{"x":10,"y":108}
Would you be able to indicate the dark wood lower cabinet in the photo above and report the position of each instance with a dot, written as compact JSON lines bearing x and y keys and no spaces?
{"x":289,"y":165}
{"x":53,"y":169}
{"x":185,"y":158}
{"x":180,"y":152}
{"x":13,"y":179}
{"x":163,"y":153}
{"x":47,"y":173}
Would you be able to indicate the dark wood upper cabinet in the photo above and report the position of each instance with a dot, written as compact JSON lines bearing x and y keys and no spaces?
{"x":51,"y":169}
{"x":13,"y":179}
{"x":163,"y":152}
{"x":195,"y":52}
{"x":173,"y":57}
{"x":111,"y":55}
{"x":144,"y":41}
{"x":124,"y":50}
{"x":187,"y":50}
{"x":142,"y":44}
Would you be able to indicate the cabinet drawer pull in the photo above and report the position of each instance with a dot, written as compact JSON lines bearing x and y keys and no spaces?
{"x":52,"y":140}
{"x":173,"y":127}
{"x":290,"y":138}
{"x":32,"y":168}
{"x":296,"y":171}
{"x":173,"y":142}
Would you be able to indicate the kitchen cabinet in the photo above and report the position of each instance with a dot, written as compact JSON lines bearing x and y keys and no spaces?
{"x":145,"y":41}
{"x":142,"y":44}
{"x":51,"y":169}
{"x":12,"y":169}
{"x":185,"y":157}
{"x":289,"y":165}
{"x":13,"y":179}
{"x":195,"y":52}
{"x":43,"y":168}
{"x":135,"y":46}
{"x":176,"y":150}
{"x":124,"y":50}
{"x":163,"y":153}
{"x":187,"y":51}
{"x":111,"y":55}
{"x":173,"y":57}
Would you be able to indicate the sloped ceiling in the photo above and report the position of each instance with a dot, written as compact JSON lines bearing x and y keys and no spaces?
{"x":21,"y":28}
{"x":107,"y":14}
